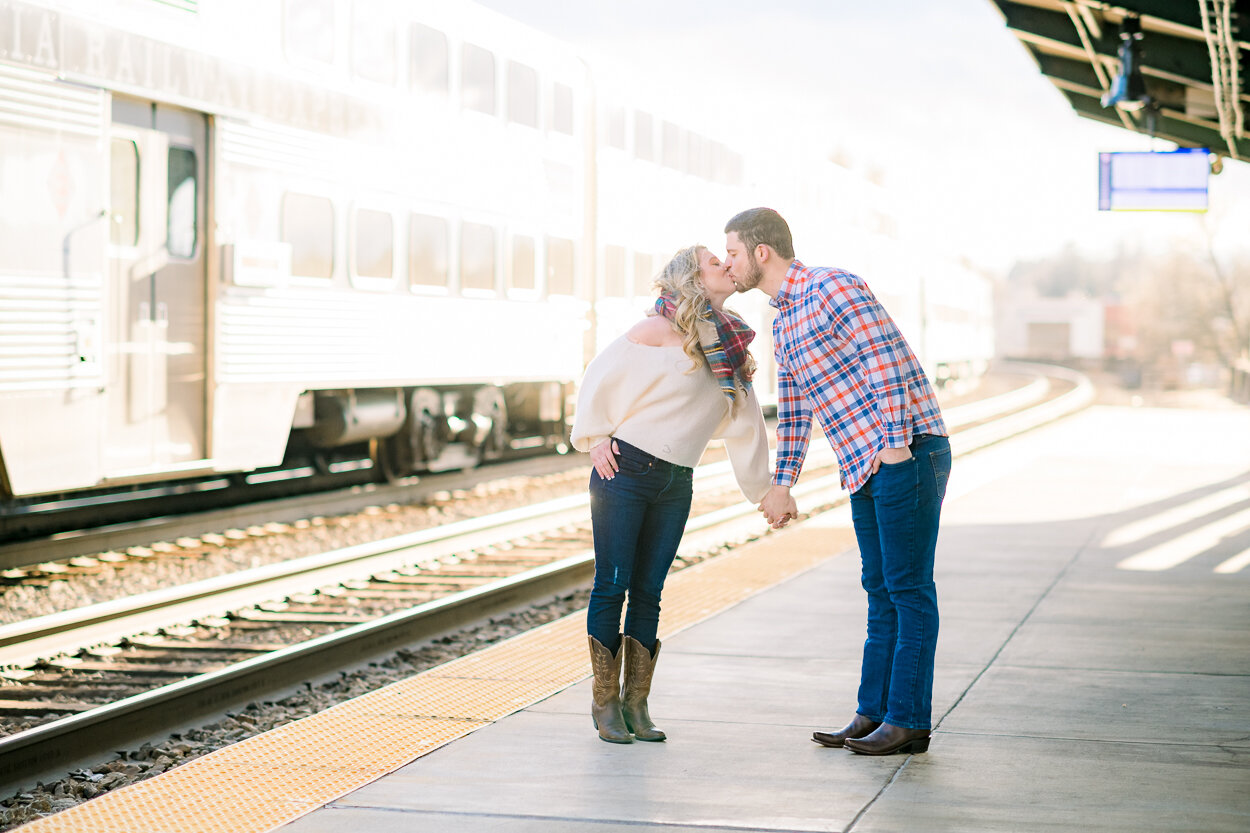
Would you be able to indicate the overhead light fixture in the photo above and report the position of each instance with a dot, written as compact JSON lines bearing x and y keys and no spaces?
{"x":1128,"y":89}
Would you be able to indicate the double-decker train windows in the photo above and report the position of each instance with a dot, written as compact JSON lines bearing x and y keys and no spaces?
{"x":428,"y":57}
{"x":696,"y":156}
{"x":427,"y":251}
{"x":614,"y":128}
{"x":644,"y":279}
{"x":308,"y":226}
{"x":521,"y":275}
{"x":308,"y":30}
{"x":477,"y":257}
{"x":522,"y":94}
{"x":477,"y":79}
{"x":719,"y":162}
{"x":614,"y":271}
{"x":373,"y":42}
{"x":562,"y":108}
{"x":124,"y":188}
{"x":734,"y":175}
{"x":674,"y":147}
{"x":373,"y":252}
{"x":183,"y":206}
{"x":560,"y":274}
{"x":644,"y":138}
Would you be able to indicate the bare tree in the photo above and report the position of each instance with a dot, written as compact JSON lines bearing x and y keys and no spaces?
{"x":1230,"y":312}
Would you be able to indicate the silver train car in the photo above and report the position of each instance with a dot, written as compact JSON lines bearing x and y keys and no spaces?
{"x":234,"y":228}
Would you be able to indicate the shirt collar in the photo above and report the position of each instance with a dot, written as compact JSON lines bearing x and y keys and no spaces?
{"x":789,"y":287}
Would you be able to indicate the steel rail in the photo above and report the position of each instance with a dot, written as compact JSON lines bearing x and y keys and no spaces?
{"x":69,"y":544}
{"x":48,"y":750}
{"x":25,"y":642}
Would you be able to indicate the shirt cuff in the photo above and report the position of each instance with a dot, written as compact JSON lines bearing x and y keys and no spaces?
{"x":784,"y":478}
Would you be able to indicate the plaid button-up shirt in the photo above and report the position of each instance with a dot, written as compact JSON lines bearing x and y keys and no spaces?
{"x":841,"y":356}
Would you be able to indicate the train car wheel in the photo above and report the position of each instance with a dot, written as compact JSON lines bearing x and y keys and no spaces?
{"x":424,"y":431}
{"x":490,"y":414}
{"x":390,"y":459}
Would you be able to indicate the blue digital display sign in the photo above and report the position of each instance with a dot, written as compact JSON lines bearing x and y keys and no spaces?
{"x":1154,"y":181}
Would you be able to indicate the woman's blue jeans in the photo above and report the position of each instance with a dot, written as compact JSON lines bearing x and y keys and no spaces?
{"x":639,"y":517}
{"x":896,"y":517}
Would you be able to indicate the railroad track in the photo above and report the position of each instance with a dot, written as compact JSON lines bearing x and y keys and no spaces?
{"x":70,"y":553}
{"x":124,"y":671}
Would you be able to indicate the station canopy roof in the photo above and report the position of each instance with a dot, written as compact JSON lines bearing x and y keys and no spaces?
{"x":1192,"y":61}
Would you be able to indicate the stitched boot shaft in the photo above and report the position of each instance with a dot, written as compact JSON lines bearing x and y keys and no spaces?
{"x":639,"y":666}
{"x":605,"y":705}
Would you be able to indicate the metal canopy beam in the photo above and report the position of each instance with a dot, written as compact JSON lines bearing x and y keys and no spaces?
{"x":1075,"y":44}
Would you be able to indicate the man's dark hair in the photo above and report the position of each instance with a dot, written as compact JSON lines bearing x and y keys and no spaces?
{"x":762,"y":225}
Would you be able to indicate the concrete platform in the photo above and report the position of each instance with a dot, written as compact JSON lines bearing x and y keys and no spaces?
{"x":1071,"y":693}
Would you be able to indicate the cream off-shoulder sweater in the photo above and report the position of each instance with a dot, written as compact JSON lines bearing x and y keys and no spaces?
{"x":643,"y":395}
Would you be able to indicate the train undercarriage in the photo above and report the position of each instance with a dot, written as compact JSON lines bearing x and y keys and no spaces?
{"x":429,"y":429}
{"x":339,"y":438}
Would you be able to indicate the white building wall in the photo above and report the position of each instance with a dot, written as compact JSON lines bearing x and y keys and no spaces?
{"x":1025,"y":312}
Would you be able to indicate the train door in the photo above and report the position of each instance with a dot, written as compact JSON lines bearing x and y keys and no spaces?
{"x":156,"y":341}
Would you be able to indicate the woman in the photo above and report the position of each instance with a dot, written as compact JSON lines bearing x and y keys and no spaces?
{"x":648,"y":405}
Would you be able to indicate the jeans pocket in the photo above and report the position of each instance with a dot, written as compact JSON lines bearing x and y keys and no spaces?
{"x":631,"y":465}
{"x":941,"y":462}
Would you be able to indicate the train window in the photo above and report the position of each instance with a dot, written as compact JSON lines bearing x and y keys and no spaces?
{"x":477,"y":83}
{"x":644,"y":278}
{"x":428,"y":62}
{"x":522,"y":274}
{"x":614,"y":128}
{"x":427,"y":251}
{"x":373,"y":42}
{"x":696,"y":156}
{"x":719,"y":162}
{"x":674,"y":150}
{"x":560,"y":277}
{"x":308,"y":226}
{"x":562,"y":108}
{"x":124,"y":187}
{"x":183,"y":214}
{"x":522,"y":94}
{"x":644,"y":140}
{"x":308,"y":30}
{"x":477,"y":257}
{"x":374,"y":244}
{"x":614,"y":271}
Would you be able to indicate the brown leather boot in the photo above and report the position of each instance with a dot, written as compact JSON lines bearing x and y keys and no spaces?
{"x":639,"y":666}
{"x":887,"y":740}
{"x":857,"y":728}
{"x":605,"y":706}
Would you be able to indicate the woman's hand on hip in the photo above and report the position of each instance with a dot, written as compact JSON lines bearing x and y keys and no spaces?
{"x":604,"y":459}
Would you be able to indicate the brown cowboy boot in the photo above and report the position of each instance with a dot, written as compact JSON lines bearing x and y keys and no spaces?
{"x":605,"y":707}
{"x":857,"y":728}
{"x":639,"y":666}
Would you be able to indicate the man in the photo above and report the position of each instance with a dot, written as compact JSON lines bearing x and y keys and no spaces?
{"x":841,"y":357}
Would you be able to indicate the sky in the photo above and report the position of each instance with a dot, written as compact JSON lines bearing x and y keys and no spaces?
{"x":981,"y":154}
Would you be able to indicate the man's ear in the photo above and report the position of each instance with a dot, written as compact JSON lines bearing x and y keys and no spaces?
{"x":762,"y":253}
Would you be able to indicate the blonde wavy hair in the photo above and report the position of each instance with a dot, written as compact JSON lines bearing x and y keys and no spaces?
{"x":680,"y":278}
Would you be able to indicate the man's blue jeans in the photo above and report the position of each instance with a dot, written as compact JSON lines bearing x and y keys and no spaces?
{"x":896,"y":517}
{"x":639,"y":517}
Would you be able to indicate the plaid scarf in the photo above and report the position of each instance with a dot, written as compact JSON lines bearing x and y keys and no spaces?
{"x":724,"y":338}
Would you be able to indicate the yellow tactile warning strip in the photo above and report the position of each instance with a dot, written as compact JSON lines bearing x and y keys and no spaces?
{"x":267,"y":781}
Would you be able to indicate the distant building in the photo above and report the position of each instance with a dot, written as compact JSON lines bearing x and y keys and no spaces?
{"x":1050,"y":329}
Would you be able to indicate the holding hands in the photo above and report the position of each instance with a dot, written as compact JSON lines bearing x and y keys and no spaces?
{"x":779,"y":507}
